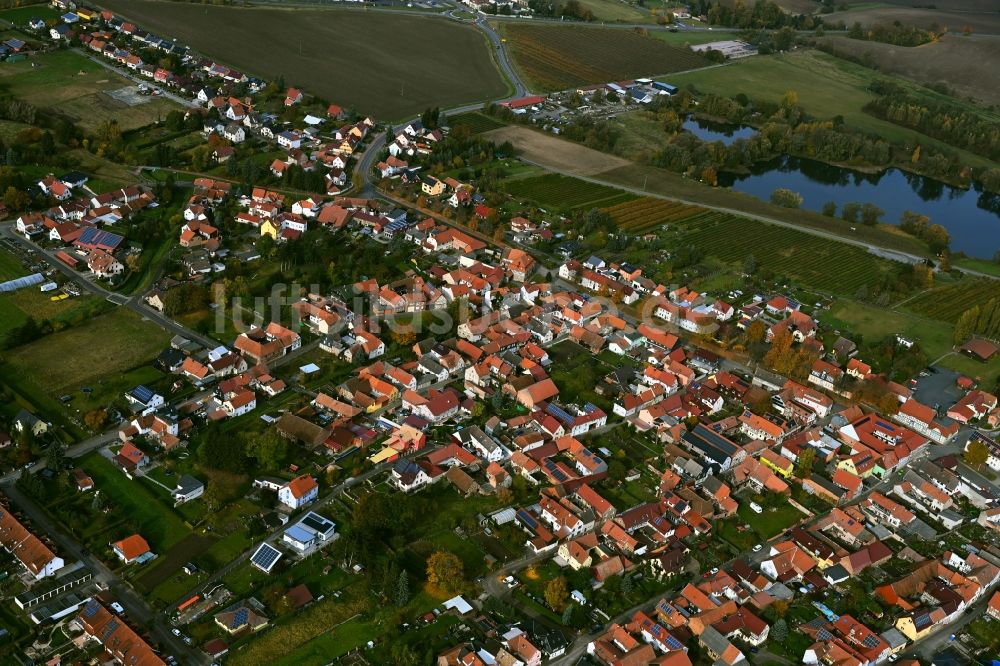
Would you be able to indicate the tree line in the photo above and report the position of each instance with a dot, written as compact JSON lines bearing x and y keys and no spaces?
{"x":956,"y":126}
{"x":979,"y":320}
{"x":896,"y":33}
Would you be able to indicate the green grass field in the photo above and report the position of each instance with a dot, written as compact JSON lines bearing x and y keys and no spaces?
{"x":618,"y":11}
{"x":21,"y":15}
{"x":852,"y":318}
{"x":76,"y":85}
{"x":772,"y":521}
{"x":826,"y":85}
{"x":93,"y":353}
{"x":157,"y":522}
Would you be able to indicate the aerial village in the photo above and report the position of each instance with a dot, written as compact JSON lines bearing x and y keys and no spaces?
{"x":602,"y":480}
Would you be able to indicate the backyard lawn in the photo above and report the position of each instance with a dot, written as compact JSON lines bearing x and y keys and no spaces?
{"x":773,"y":521}
{"x":157,"y":522}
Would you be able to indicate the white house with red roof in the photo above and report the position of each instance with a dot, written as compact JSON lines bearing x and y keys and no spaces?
{"x":298,"y":492}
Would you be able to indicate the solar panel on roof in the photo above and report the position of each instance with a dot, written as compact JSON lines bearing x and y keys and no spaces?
{"x":673,"y":643}
{"x":91,"y":609}
{"x":559,"y":413}
{"x":871,"y":641}
{"x":555,"y":471}
{"x":823,"y":635}
{"x":240,"y":617}
{"x":316,"y":522}
{"x":526,"y":519}
{"x":142,"y":394}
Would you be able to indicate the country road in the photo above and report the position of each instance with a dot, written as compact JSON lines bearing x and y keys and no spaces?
{"x":896,"y":255}
{"x":134,"y":302}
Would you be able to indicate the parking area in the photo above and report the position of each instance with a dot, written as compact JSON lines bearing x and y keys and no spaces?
{"x":936,"y":387}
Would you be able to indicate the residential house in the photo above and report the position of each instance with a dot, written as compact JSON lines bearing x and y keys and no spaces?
{"x":298,"y":492}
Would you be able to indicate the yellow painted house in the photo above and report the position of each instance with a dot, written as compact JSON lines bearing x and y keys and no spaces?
{"x":920,"y":623}
{"x":432,"y":186}
{"x":861,"y":465}
{"x":269,"y":228}
{"x":778,"y":463}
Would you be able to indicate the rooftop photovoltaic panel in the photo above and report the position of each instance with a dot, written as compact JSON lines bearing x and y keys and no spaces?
{"x":240,"y":617}
{"x":555,"y":471}
{"x":317,"y":522}
{"x":526,"y":519}
{"x":559,"y":413}
{"x":142,"y":394}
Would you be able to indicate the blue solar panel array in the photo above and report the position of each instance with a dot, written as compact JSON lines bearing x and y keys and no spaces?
{"x":554,"y":470}
{"x":265,"y":557}
{"x":95,"y":236}
{"x":240,"y":617}
{"x":142,"y":394}
{"x":559,"y":413}
{"x":526,"y":519}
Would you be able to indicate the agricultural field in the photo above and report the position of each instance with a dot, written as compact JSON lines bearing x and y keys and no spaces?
{"x":475,"y":121}
{"x":619,"y":11}
{"x":562,"y":57}
{"x":981,"y":20}
{"x":646,"y":214}
{"x":831,"y":267}
{"x":791,"y":6}
{"x":565,"y":192}
{"x":78,"y":87}
{"x":569,"y":158}
{"x":96,"y":353}
{"x":554,"y":153}
{"x":391,"y":65}
{"x":969,"y":65}
{"x":827,"y":86}
{"x":947,"y":303}
{"x":686,"y":38}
